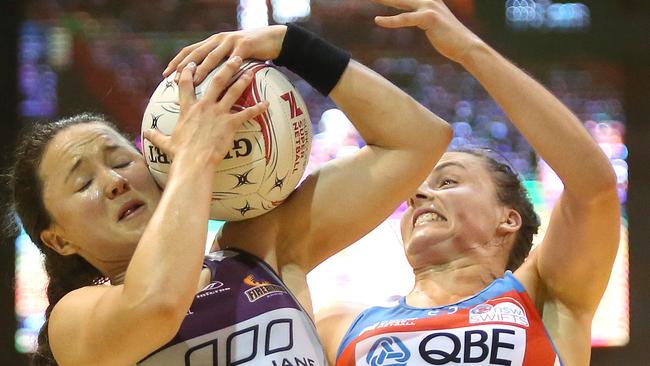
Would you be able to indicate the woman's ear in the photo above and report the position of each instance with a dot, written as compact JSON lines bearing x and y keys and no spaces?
{"x":53,"y":240}
{"x":510,"y":221}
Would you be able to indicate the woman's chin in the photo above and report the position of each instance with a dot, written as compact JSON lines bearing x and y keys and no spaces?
{"x":426,"y":239}
{"x":430,"y":233}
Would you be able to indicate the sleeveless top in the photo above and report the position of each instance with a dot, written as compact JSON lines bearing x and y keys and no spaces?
{"x":498,"y":326}
{"x":244,"y":316}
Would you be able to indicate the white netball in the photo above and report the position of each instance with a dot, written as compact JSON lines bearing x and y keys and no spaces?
{"x":268,"y":155}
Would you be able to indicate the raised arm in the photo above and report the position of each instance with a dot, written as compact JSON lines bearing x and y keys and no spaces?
{"x":578,"y":250}
{"x":348,"y":197}
{"x":119,"y":325}
{"x":575,"y":259}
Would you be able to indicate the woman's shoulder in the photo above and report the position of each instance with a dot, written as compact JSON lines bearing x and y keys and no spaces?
{"x":72,"y":316}
{"x":333,"y":322}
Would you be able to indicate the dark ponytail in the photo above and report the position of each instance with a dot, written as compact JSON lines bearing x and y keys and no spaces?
{"x":66,"y":273}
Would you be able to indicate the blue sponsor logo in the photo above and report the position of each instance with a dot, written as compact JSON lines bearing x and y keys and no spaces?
{"x":388,"y":351}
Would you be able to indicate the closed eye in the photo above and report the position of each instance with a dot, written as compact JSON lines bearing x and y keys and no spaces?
{"x":123,"y":165}
{"x":85,"y":186}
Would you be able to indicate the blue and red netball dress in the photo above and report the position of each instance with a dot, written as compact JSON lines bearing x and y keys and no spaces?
{"x":244,"y":316}
{"x":498,"y":326}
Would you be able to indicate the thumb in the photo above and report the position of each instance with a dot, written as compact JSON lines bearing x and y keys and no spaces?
{"x":159,"y":140}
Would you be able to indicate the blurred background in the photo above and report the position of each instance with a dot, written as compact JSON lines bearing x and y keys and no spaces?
{"x":67,"y":56}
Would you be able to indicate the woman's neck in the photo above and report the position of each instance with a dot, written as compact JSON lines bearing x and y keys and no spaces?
{"x":449,"y":283}
{"x":114,"y":268}
{"x":114,"y":271}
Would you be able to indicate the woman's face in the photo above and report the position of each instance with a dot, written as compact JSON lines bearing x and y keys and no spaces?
{"x":454,"y":212}
{"x":98,"y":191}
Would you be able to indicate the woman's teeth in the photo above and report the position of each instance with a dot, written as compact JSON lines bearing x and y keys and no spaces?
{"x":428,"y":217}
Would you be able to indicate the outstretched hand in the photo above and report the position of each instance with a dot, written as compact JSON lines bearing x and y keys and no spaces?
{"x":207,"y":127}
{"x":445,"y":32}
{"x":260,"y":43}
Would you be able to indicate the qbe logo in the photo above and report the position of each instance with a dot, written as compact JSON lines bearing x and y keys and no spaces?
{"x":484,"y":344}
{"x":388,"y":351}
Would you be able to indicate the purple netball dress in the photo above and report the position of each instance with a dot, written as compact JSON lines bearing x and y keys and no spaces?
{"x":244,"y":316}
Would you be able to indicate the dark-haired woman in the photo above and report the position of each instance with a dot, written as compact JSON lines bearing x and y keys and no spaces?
{"x":85,"y":196}
{"x":469,"y":227}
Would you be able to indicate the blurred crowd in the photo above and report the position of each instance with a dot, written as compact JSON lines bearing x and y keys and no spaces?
{"x":133,"y":41}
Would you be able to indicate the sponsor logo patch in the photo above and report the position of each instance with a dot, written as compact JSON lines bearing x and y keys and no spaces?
{"x":484,"y":344}
{"x":261,"y":289}
{"x":212,"y":288}
{"x":503,"y":310}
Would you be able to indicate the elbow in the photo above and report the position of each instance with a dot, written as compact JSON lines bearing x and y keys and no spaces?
{"x":606,"y":185}
{"x":601,"y":190}
{"x":438,"y":134}
{"x":164,"y":314}
{"x":438,"y":139}
{"x":166,"y":319}
{"x":447,"y":132}
{"x":611,"y":180}
{"x":431,"y":134}
{"x":171,"y":311}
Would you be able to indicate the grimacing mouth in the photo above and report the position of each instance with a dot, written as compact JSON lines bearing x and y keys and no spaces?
{"x":426,"y":214}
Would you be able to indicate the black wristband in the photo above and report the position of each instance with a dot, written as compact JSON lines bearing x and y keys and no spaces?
{"x":317,"y":61}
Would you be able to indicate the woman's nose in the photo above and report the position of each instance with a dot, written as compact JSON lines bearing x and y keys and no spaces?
{"x":424,"y":192}
{"x":116,"y":185}
{"x":421,"y":194}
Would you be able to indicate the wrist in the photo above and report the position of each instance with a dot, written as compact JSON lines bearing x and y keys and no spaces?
{"x":192,"y":166}
{"x":278,"y":33}
{"x":475,"y":55}
{"x":317,"y":61}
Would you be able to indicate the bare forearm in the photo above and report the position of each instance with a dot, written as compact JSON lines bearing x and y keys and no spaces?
{"x":170,"y":252}
{"x":550,"y":127}
{"x":404,"y":140}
